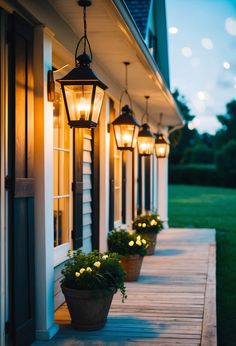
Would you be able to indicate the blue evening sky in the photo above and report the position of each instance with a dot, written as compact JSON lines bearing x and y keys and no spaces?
{"x":202,"y":56}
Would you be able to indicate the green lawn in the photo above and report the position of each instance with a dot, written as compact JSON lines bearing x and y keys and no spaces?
{"x":210,"y":207}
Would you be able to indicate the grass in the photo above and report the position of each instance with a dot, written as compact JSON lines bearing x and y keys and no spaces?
{"x":211,"y":207}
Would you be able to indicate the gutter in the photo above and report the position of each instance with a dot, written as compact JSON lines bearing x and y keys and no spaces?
{"x":134,"y":36}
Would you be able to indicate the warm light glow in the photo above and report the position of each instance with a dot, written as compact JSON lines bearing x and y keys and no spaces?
{"x":127,"y":138}
{"x":173,"y":30}
{"x":187,"y":52}
{"x":226,"y":65}
{"x":207,"y":43}
{"x":83,"y":108}
{"x":161,"y":150}
{"x":230,"y":26}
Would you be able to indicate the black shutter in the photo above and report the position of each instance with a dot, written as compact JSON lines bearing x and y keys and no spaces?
{"x":21,"y":182}
{"x":112,"y":171}
{"x":77,"y":187}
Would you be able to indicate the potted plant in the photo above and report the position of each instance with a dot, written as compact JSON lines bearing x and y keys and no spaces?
{"x":89,"y":284}
{"x":148,"y":225}
{"x":131,"y":247}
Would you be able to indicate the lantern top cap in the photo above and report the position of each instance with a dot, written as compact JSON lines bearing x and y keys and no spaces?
{"x":145,"y":131}
{"x":126,"y":117}
{"x":85,"y":3}
{"x":160,"y":139}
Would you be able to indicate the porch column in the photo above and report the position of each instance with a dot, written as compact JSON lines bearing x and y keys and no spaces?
{"x":44,"y":248}
{"x":104,"y":145}
{"x":162,"y":186}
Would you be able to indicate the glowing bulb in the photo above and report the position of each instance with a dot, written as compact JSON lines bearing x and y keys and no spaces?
{"x":83,"y":107}
{"x":126,"y":138}
{"x":161,"y":150}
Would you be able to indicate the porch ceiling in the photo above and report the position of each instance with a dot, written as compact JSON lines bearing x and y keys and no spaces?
{"x":115,"y":38}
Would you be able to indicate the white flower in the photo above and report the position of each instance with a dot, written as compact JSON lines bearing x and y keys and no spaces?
{"x":82,"y":270}
{"x":144,"y":241}
{"x":104,"y":257}
{"x":96,"y":264}
{"x":88,"y":269}
{"x":131,"y":243}
{"x":77,"y":274}
{"x":138,"y":242}
{"x":139,"y":224}
{"x":138,"y":237}
{"x":144,"y":225}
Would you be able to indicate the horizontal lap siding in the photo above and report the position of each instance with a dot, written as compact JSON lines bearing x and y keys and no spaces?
{"x":87,"y":191}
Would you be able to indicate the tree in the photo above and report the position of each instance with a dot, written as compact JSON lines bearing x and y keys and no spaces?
{"x":228,"y":122}
{"x":183,"y":138}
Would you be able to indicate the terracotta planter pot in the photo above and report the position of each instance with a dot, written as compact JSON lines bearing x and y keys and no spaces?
{"x":88,"y":309}
{"x":152,"y":237}
{"x":132,"y":265}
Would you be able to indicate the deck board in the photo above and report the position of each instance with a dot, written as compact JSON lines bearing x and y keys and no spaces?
{"x":173,"y":303}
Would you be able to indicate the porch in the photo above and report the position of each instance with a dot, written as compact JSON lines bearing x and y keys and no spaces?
{"x":172,"y":303}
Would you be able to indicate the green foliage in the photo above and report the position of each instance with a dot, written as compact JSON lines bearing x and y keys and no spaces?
{"x":226,"y":163}
{"x":208,"y":207}
{"x":148,"y":223}
{"x":183,"y":138}
{"x":200,"y":153}
{"x":125,"y":243}
{"x":195,"y":174}
{"x":94,"y":271}
{"x":228,"y":130}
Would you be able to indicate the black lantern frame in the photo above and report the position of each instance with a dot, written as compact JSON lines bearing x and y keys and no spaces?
{"x":146,"y":139}
{"x":162,"y":146}
{"x":82,"y":90}
{"x":125,"y":126}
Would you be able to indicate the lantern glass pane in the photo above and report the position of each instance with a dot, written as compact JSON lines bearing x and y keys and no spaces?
{"x":97,"y":104}
{"x":145,"y":145}
{"x":124,"y":135}
{"x":162,"y":150}
{"x":136,"y":131}
{"x":78,"y":99}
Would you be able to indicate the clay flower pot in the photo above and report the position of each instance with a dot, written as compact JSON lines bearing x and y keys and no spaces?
{"x":151,"y":237}
{"x":88,"y":308}
{"x":132,"y":265}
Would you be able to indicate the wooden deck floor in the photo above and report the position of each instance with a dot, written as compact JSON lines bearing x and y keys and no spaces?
{"x":173,"y":303}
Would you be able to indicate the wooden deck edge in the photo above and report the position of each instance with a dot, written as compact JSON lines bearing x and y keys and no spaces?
{"x":209,"y":326}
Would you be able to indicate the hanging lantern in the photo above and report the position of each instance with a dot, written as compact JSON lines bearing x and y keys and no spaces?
{"x":146,"y":138}
{"x":162,"y":146}
{"x":82,"y":90}
{"x":125,"y":126}
{"x":126,"y":129}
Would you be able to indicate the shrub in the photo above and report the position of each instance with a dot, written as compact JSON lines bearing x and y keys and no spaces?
{"x":194,"y":174}
{"x":226,"y":163}
{"x":94,"y":271}
{"x":125,"y":243}
{"x":148,"y":223}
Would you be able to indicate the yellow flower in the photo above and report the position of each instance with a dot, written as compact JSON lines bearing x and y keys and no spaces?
{"x":158,"y":217}
{"x":131,"y":243}
{"x":104,"y":256}
{"x":144,"y":241}
{"x":138,"y":242}
{"x":138,"y":237}
{"x":153,"y":222}
{"x":96,"y":264}
{"x":144,"y":225}
{"x":82,"y":270}
{"x":88,"y":269}
{"x":77,"y":274}
{"x":139,"y":224}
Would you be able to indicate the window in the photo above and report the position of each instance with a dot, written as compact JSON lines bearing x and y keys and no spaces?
{"x":62,"y":203}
